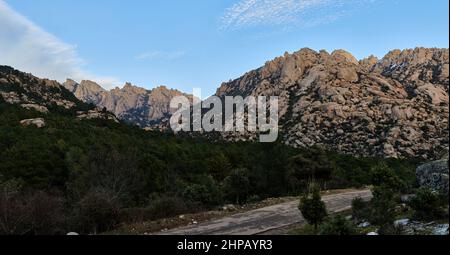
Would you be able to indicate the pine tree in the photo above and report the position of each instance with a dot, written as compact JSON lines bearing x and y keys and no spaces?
{"x":312,"y":207}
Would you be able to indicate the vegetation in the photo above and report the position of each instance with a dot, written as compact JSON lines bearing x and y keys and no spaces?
{"x":382,"y":207}
{"x":312,"y":207}
{"x":428,"y":205}
{"x":91,"y":175}
{"x":337,"y":225}
{"x":386,"y":206}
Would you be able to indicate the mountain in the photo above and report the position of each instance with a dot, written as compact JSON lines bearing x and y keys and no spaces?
{"x":132,"y":104}
{"x":59,"y":174}
{"x":44,"y":95}
{"x":31,"y":92}
{"x":396,"y":106}
{"x":393,"y":107}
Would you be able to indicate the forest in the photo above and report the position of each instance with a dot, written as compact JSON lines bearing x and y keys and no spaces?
{"x":90,"y":176}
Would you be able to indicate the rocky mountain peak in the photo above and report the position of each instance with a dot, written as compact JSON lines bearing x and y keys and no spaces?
{"x":91,"y":86}
{"x":70,"y":84}
{"x":130,"y":88}
{"x":85,"y":90}
{"x":369,"y":62}
{"x":344,"y":56}
{"x":393,"y":107}
{"x":130,"y":103}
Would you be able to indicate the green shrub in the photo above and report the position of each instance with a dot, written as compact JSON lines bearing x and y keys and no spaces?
{"x":382,"y":174}
{"x":337,"y":225}
{"x":382,"y":208}
{"x":312,"y":207}
{"x":360,"y":210}
{"x":207,"y":193}
{"x":167,"y":206}
{"x":236,"y":186}
{"x":427,"y":205}
{"x":313,"y":164}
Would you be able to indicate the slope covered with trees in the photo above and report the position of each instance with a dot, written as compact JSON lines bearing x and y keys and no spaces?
{"x":91,"y":174}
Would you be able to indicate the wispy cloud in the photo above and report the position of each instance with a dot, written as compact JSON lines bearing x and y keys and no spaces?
{"x":27,"y":47}
{"x":160,"y":55}
{"x":305,"y":13}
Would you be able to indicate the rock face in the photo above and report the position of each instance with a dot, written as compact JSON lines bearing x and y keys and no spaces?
{"x":84,"y":91}
{"x":393,"y":107}
{"x":97,"y":114}
{"x":41,"y":95}
{"x":434,"y":176}
{"x":143,"y":107}
{"x":35,"y":107}
{"x":38,"y":122}
{"x":33,"y":93}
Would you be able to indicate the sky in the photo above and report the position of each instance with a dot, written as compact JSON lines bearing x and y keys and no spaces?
{"x":202,"y":43}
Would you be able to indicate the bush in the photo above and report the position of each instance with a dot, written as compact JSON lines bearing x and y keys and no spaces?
{"x":159,"y":207}
{"x":207,"y":193}
{"x":381,"y":174}
{"x":427,"y":205}
{"x":97,"y":212}
{"x":47,"y":216}
{"x":360,"y":210}
{"x":337,"y":225}
{"x":312,"y":164}
{"x":312,"y":207}
{"x":167,"y":206}
{"x":236,"y":186}
{"x":382,"y":208}
{"x":29,"y":213}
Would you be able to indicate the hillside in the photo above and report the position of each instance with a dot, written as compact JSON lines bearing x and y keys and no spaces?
{"x":34,"y":93}
{"x":92,"y":174}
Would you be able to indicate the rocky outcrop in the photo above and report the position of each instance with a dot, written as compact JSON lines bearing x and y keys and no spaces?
{"x":145,"y":108}
{"x":434,"y":176}
{"x":40,"y":95}
{"x":97,"y":114}
{"x":35,"y":107}
{"x":85,"y":91}
{"x":33,"y":93}
{"x":38,"y":122}
{"x":393,"y":107}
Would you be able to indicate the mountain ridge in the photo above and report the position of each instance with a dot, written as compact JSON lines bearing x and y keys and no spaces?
{"x":396,"y":106}
{"x":131,"y":103}
{"x":393,"y":107}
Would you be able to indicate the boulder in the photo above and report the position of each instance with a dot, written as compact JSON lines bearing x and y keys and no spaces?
{"x":343,"y":56}
{"x":434,"y":175}
{"x":437,"y":95}
{"x":36,"y":107}
{"x":38,"y":122}
{"x":441,"y":230}
{"x":348,"y":74}
{"x":401,"y":222}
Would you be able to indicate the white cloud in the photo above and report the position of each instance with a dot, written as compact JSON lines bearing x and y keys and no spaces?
{"x":161,"y":55}
{"x":27,"y":47}
{"x":305,"y":13}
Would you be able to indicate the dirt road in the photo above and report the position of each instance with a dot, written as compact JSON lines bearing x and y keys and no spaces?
{"x":266,"y":219}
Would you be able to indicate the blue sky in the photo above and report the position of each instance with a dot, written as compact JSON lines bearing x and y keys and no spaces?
{"x":201,"y":43}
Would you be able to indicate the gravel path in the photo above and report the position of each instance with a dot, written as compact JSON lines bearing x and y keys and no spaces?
{"x":267,"y":218}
